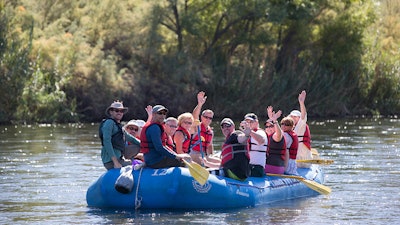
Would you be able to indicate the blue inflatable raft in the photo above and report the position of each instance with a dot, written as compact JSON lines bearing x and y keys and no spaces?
{"x":175,"y":188}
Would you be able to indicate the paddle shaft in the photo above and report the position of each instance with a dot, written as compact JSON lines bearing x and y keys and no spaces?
{"x":316,"y":161}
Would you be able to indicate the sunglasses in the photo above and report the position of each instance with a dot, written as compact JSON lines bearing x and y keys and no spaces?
{"x":187,"y":122}
{"x":285,"y":124}
{"x":271,"y":126}
{"x":162,"y":113}
{"x":133,"y":128}
{"x":172,"y":126}
{"x":208,"y":117}
{"x":226,"y":125}
{"x":119,"y":110}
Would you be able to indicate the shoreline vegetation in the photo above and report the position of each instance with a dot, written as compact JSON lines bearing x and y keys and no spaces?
{"x":66,"y":61}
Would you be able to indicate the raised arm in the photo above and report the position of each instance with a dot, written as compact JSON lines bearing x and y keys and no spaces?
{"x":302,"y":98}
{"x":149,"y":110}
{"x":278,"y":135}
{"x":270,"y":111}
{"x":201,"y":99}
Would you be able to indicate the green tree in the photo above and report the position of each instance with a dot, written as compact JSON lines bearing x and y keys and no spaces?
{"x":14,"y":62}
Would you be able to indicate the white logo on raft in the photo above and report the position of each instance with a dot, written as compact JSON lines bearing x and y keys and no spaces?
{"x":160,"y":172}
{"x":242,"y":193}
{"x":201,"y":188}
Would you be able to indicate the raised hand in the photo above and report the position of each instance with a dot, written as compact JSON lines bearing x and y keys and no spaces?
{"x":201,"y":98}
{"x":149,"y":110}
{"x":275,"y":116}
{"x":245,"y":127}
{"x":302,"y":96}
{"x":270,"y":111}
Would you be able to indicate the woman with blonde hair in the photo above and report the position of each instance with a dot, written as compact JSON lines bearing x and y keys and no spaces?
{"x":183,"y":133}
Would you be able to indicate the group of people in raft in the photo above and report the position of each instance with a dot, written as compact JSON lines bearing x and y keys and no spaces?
{"x":164,"y":141}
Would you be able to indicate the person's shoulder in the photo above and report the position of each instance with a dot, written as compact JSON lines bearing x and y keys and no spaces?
{"x":108,"y":122}
{"x":262,"y":133}
{"x":153,"y":127}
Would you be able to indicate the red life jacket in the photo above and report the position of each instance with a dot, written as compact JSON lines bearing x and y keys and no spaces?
{"x":170,"y":143}
{"x":232,"y":147}
{"x":276,"y":152}
{"x":186,"y":142}
{"x":206,"y":134}
{"x":145,"y":145}
{"x":306,"y":138}
{"x":295,"y":145}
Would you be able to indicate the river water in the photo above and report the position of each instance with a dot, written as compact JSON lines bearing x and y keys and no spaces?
{"x":46,"y":170}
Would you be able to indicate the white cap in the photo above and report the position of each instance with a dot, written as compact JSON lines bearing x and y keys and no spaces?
{"x":295,"y":113}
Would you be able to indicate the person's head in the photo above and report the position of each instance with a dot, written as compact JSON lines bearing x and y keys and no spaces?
{"x":295,"y":115}
{"x":269,"y":127}
{"x":207,"y":117}
{"x":170,"y":126}
{"x":185,"y":120}
{"x":134,"y":127}
{"x":116,"y":110}
{"x":287,"y":124}
{"x":159,"y":113}
{"x":227,"y":126}
{"x":251,"y":119}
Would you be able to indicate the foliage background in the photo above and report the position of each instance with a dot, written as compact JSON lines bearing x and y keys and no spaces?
{"x":66,"y":61}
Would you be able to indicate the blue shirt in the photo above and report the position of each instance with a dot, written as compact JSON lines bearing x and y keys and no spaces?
{"x":157,"y":150}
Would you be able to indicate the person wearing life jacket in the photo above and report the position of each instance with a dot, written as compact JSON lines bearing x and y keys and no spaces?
{"x":182,"y":135}
{"x":133,"y":128}
{"x":170,"y":126}
{"x":277,"y":154}
{"x":303,"y":132}
{"x":292,"y":143}
{"x":113,"y":138}
{"x":258,"y":146}
{"x":235,"y":153}
{"x":201,"y":146}
{"x":152,"y":143}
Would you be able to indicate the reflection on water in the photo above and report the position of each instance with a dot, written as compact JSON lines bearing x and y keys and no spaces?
{"x":46,"y":169}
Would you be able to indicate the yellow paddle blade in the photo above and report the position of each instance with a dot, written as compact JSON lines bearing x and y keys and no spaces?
{"x":199,"y":173}
{"x":320,"y":188}
{"x":317,"y":186}
{"x":316,"y":161}
{"x":314,"y":152}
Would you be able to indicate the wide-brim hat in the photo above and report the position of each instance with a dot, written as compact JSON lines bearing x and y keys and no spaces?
{"x":137,"y":123}
{"x":116,"y":105}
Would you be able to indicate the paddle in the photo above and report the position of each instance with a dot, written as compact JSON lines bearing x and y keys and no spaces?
{"x":309,"y":183}
{"x":199,"y":173}
{"x":316,"y":161}
{"x":314,"y":152}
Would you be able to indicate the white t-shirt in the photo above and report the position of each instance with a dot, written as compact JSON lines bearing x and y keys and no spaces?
{"x":300,"y":127}
{"x":258,"y":152}
{"x":288,"y":140}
